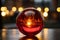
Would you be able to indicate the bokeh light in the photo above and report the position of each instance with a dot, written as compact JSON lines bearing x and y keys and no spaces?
{"x":3,"y":13}
{"x":11,"y":13}
{"x":45,"y":14}
{"x":38,"y":8}
{"x":20,"y":9}
{"x":58,"y":9}
{"x":14,"y":9}
{"x":46,"y":9}
{"x":7,"y":12}
{"x":3,"y":8}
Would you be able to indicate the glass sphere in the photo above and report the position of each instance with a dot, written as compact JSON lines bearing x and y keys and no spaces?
{"x":29,"y":22}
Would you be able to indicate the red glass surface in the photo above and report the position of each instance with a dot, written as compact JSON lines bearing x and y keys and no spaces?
{"x":29,"y":22}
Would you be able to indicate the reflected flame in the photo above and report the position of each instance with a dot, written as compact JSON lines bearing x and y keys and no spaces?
{"x":29,"y":22}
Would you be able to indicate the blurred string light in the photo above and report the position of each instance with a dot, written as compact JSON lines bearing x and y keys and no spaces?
{"x":38,"y":8}
{"x":7,"y":12}
{"x":3,"y":8}
{"x":46,"y":9}
{"x":11,"y":13}
{"x":14,"y":9}
{"x":45,"y":14}
{"x":58,"y":9}
{"x":3,"y":13}
{"x":20,"y":9}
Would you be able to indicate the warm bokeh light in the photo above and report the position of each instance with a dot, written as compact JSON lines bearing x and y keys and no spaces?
{"x":58,"y":9}
{"x":3,"y":8}
{"x":38,"y":8}
{"x":20,"y":9}
{"x":14,"y":9}
{"x":7,"y":12}
{"x":46,"y":9}
{"x":45,"y":14}
{"x":3,"y":13}
{"x":11,"y":13}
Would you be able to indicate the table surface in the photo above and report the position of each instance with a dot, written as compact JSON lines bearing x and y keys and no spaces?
{"x":45,"y":34}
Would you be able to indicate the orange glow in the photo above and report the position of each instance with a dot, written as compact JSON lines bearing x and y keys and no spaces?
{"x":29,"y":22}
{"x":7,"y":12}
{"x":29,"y":39}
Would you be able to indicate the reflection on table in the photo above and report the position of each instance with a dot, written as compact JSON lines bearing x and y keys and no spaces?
{"x":45,"y":34}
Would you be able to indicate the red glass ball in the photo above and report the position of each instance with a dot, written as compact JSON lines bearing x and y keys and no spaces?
{"x":29,"y":22}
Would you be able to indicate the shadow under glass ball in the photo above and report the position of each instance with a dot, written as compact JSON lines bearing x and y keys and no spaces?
{"x":29,"y":22}
{"x":29,"y":38}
